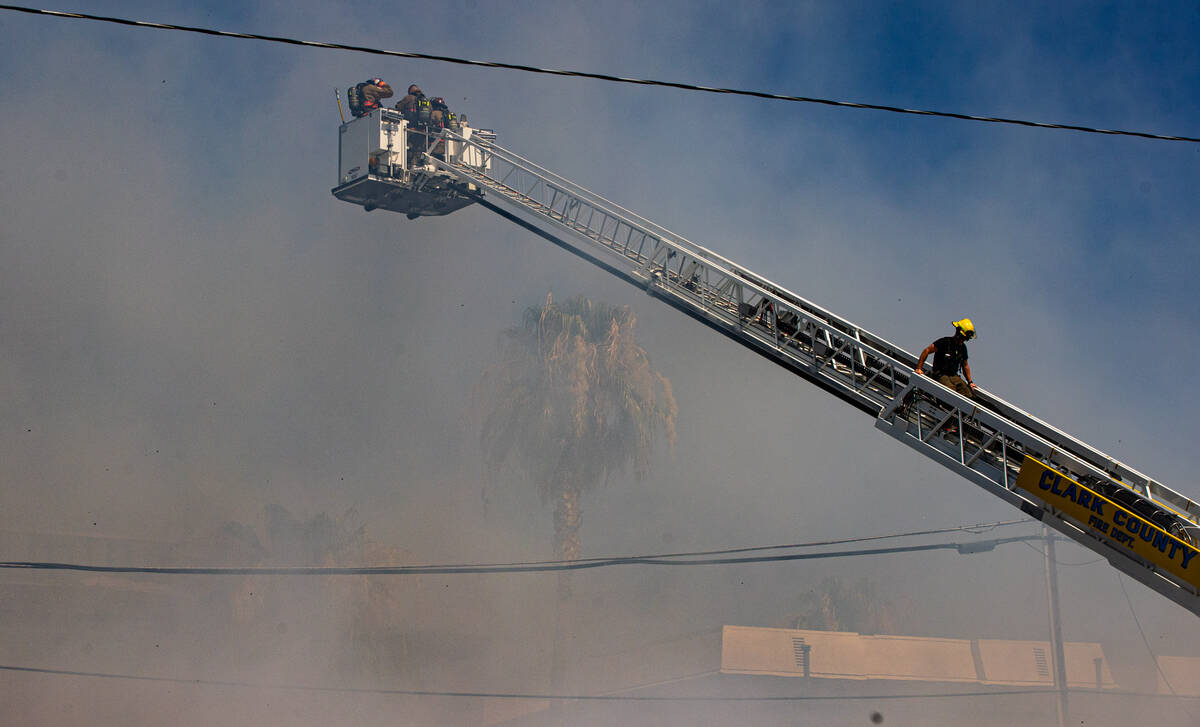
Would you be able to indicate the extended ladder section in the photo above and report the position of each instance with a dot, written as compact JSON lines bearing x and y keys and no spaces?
{"x":1142,"y":527}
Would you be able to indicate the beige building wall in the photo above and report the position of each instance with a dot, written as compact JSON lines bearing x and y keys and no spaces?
{"x":849,"y":655}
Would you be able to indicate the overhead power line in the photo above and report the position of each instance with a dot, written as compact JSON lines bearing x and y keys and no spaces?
{"x":1157,"y":666}
{"x":586,"y":74}
{"x":556,"y":697}
{"x":975,"y":529}
{"x":471,"y":568}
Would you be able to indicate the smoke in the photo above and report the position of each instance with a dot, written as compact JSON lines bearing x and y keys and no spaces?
{"x":196,"y":330}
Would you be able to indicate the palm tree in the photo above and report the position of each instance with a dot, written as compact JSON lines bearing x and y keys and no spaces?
{"x":576,"y":400}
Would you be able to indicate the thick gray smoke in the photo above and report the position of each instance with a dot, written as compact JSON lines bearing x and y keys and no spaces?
{"x":209,"y":360}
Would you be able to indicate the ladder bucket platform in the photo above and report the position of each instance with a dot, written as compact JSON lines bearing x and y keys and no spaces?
{"x":433,"y":194}
{"x":385,"y":164}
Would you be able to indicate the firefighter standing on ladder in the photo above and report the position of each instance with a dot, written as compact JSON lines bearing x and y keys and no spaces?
{"x":950,"y":355}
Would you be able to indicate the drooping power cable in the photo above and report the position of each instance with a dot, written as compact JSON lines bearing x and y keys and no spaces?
{"x":475,"y":568}
{"x":543,"y":696}
{"x":595,"y":76}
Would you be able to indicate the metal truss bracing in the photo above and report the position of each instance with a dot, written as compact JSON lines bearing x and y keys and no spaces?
{"x":985,"y":439}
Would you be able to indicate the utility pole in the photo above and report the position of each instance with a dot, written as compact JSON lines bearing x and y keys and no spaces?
{"x":1056,"y":641}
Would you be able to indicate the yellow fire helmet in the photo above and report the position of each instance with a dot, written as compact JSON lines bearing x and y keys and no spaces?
{"x":966,"y":326}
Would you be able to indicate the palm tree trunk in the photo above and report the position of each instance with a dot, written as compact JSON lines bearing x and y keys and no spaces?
{"x":567,"y":519}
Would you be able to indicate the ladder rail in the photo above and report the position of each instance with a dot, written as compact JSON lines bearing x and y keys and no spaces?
{"x":667,"y":243}
{"x":678,"y":240}
{"x":990,"y":437}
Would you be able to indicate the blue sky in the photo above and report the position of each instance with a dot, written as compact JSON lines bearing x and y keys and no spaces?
{"x":196,"y":327}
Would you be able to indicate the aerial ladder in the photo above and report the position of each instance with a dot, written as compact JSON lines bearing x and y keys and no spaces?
{"x":1143,"y":528}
